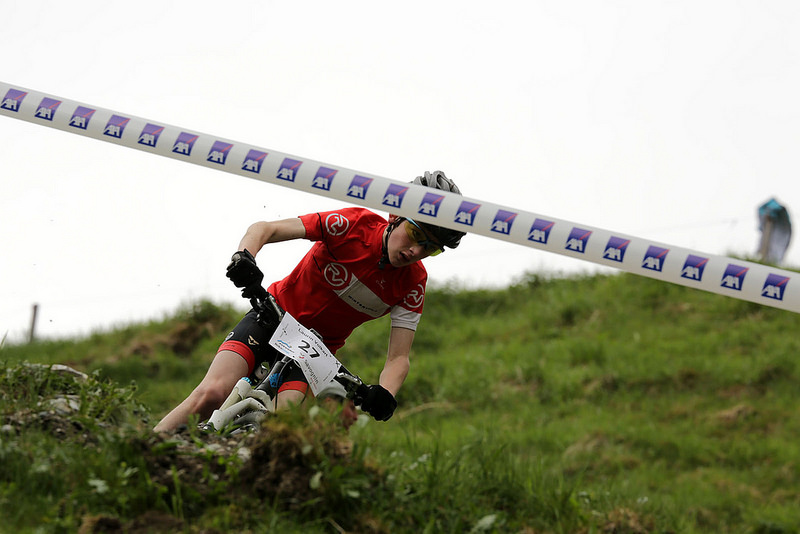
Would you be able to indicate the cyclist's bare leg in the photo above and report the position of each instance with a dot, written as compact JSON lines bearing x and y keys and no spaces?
{"x":223,"y":373}
{"x":289,"y":397}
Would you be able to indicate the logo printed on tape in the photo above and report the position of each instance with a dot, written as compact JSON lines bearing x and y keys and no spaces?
{"x":359,"y":186}
{"x":13,"y":99}
{"x":394,"y":195}
{"x":253,"y":161}
{"x":466,"y":213}
{"x":733,"y":278}
{"x":115,"y":126}
{"x":288,"y":170}
{"x":503,"y":221}
{"x":540,"y":231}
{"x":47,"y":109}
{"x":774,"y":286}
{"x":693,"y":267}
{"x":430,"y":204}
{"x":577,"y":240}
{"x":219,"y":152}
{"x":81,"y":117}
{"x":150,"y":134}
{"x":654,"y":258}
{"x":615,"y":248}
{"x":324,"y":178}
{"x":184,"y":143}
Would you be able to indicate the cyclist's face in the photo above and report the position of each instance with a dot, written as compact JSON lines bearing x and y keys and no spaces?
{"x":409,"y":243}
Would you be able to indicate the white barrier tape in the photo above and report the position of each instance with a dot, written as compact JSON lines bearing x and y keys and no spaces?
{"x":717,"y":274}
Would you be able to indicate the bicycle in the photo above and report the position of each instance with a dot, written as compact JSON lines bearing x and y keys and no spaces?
{"x":249,"y":403}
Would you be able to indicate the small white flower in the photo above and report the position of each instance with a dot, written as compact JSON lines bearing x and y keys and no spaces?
{"x":484,"y":524}
{"x":99,"y":485}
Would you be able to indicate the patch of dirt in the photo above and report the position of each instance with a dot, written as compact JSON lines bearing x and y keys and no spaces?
{"x":181,"y":340}
{"x":153,"y":521}
{"x":735,"y":414}
{"x":100,"y":524}
{"x":54,"y":423}
{"x":283,"y":461}
{"x":626,"y":521}
{"x":148,"y":523}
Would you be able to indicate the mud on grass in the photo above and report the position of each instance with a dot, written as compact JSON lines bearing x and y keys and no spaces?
{"x":299,"y":461}
{"x":81,"y":452}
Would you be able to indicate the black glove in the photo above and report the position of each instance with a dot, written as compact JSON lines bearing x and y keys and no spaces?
{"x":378,"y":402}
{"x":243,"y":270}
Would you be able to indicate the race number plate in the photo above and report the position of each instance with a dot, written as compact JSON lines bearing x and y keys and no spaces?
{"x":299,"y":343}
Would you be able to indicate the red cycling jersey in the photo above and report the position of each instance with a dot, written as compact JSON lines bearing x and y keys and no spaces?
{"x":339,"y":285}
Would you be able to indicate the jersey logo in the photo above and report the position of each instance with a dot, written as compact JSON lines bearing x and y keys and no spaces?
{"x":150,"y":134}
{"x":654,"y":258}
{"x":81,"y":117}
{"x":733,"y":278}
{"x":336,"y":274}
{"x":219,"y":152}
{"x":336,"y":224}
{"x":359,"y":186}
{"x":615,"y":249}
{"x":324,"y":178}
{"x":540,"y":231}
{"x":47,"y":109}
{"x":693,"y":267}
{"x":774,"y":286}
{"x":394,"y":195}
{"x":466,"y":213}
{"x":184,"y":144}
{"x":288,"y":170}
{"x":13,"y":99}
{"x":577,"y":240}
{"x":415,"y":297}
{"x":253,"y":161}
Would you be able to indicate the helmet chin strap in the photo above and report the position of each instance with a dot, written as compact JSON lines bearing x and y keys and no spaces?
{"x":385,"y":244}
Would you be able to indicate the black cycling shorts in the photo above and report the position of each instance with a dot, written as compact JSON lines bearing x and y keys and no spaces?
{"x":250,"y":340}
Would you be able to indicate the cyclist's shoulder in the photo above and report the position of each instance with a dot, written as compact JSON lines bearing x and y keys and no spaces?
{"x":363,"y":215}
{"x":341,"y":221}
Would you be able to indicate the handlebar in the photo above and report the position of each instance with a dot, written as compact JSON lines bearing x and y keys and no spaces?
{"x":353,"y":385}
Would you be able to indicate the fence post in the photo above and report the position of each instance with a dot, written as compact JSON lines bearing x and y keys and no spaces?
{"x":32,"y":334}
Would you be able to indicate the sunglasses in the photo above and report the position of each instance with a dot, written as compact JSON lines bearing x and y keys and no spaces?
{"x":418,"y":235}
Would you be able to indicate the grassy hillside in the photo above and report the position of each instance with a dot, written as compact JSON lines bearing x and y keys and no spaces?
{"x":597,"y":404}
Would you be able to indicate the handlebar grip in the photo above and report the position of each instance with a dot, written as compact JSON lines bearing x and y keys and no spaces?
{"x":361,"y":392}
{"x":256,"y":293}
{"x":355,"y":388}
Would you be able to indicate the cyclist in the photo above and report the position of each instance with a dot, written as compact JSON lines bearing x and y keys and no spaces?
{"x":360,"y":267}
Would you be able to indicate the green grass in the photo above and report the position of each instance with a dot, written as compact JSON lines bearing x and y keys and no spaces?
{"x":590,"y":404}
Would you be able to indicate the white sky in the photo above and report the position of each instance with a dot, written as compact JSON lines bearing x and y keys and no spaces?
{"x":671,"y":120}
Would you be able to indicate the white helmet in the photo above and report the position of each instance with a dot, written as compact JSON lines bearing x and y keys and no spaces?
{"x":437,"y":180}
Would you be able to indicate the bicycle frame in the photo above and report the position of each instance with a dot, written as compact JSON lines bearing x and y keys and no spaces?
{"x":248,"y":404}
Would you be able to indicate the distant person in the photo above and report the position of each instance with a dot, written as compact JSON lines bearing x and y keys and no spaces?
{"x":360,"y":267}
{"x":776,"y":231}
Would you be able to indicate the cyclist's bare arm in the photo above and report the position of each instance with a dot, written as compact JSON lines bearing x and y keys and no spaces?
{"x":397,"y":363}
{"x":261,"y":233}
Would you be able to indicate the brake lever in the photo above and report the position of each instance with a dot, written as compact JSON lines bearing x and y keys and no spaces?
{"x":352,"y":384}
